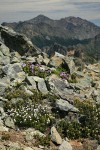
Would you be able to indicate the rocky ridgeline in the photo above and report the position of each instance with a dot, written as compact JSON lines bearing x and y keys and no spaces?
{"x":40,"y":95}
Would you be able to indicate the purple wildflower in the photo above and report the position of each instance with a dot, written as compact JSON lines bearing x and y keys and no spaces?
{"x":32,"y":66}
{"x":23,"y":65}
{"x":64,"y":75}
{"x":48,"y":71}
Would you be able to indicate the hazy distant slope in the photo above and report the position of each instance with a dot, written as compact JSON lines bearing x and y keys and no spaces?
{"x":44,"y":31}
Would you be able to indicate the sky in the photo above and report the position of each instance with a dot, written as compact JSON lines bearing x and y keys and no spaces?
{"x":20,"y":10}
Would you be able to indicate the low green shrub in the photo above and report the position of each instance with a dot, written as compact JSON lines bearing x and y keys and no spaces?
{"x":5,"y":136}
{"x":88,"y":125}
{"x":35,"y":70}
{"x":44,"y":140}
{"x":72,"y":78}
{"x":30,"y":112}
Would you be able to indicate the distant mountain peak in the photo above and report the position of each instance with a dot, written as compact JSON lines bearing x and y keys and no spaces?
{"x":65,"y":28}
{"x":39,"y":18}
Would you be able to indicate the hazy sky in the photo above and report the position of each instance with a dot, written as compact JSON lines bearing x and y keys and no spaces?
{"x":19,"y":10}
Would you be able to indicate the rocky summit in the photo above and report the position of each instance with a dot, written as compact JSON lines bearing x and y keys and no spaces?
{"x":47,"y":102}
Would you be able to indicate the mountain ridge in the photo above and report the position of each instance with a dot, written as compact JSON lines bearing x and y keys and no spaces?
{"x":79,"y":34}
{"x":68,"y":27}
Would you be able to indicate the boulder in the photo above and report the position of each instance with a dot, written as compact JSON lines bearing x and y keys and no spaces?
{"x":3,"y":129}
{"x":3,"y":87}
{"x":18,"y":42}
{"x":41,"y":84}
{"x":2,"y":147}
{"x":9,"y":122}
{"x":70,"y":63}
{"x":4,"y":84}
{"x":60,"y":87}
{"x":55,"y":137}
{"x":65,"y":146}
{"x":31,"y":82}
{"x":98,"y":148}
{"x":15,"y":57}
{"x":65,"y":106}
{"x":2,"y":113}
{"x":84,"y":82}
{"x":14,"y":72}
{"x":30,"y":133}
{"x":14,"y":146}
{"x":4,"y":54}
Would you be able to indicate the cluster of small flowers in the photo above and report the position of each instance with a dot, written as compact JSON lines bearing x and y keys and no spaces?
{"x":64,"y":75}
{"x":36,"y":69}
{"x":31,"y":115}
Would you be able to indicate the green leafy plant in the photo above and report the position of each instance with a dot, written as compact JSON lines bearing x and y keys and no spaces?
{"x":59,"y":70}
{"x":5,"y":136}
{"x":44,"y":140}
{"x":88,"y":125}
{"x":28,"y":112}
{"x":35,"y":70}
{"x":72,"y":78}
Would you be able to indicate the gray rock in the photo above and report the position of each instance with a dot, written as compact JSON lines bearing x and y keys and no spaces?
{"x":30,"y":133}
{"x":96,"y":95}
{"x":18,"y":42}
{"x":9,"y":122}
{"x":14,"y":146}
{"x":3,"y":114}
{"x":57,"y":83}
{"x":31,"y":59}
{"x":3,"y":129}
{"x":31,"y":82}
{"x":57,"y":60}
{"x":42,"y":87}
{"x":3,"y":87}
{"x":98,"y":148}
{"x":4,"y":54}
{"x":41,"y":84}
{"x":27,"y":148}
{"x":14,"y":72}
{"x":65,"y":106}
{"x":2,"y":147}
{"x":55,"y":137}
{"x":12,"y":69}
{"x":60,"y":87}
{"x":39,"y":59}
{"x":84,"y":82}
{"x":65,"y":146}
{"x":15,"y":57}
{"x":70,"y":63}
{"x":3,"y":99}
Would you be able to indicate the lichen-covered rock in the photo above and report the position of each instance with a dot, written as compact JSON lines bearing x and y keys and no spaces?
{"x":9,"y":122}
{"x":41,"y":84}
{"x":4,"y":54}
{"x":70,"y":63}
{"x":65,"y":106}
{"x":14,"y":146}
{"x":18,"y":42}
{"x":65,"y":146}
{"x":14,"y":72}
{"x":15,"y":57}
{"x":3,"y":129}
{"x":2,"y":147}
{"x":30,"y":133}
{"x":55,"y":137}
{"x":31,"y":82}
